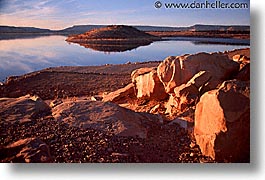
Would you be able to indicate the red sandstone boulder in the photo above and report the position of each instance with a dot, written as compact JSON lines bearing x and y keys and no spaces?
{"x":171,"y":105}
{"x":103,"y":116}
{"x":186,"y":95}
{"x":193,"y":87}
{"x":222,"y":122}
{"x":22,"y":109}
{"x":244,"y":73}
{"x":147,"y":84}
{"x":121,"y":94}
{"x":241,"y":59}
{"x":30,"y":150}
{"x":177,"y":70}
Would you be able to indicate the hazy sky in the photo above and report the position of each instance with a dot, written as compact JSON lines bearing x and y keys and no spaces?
{"x":58,"y":14}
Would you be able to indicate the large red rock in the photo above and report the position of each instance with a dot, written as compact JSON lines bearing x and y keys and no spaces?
{"x":177,"y":70}
{"x":147,"y":84}
{"x":22,"y":109}
{"x":244,"y":52}
{"x":222,"y":122}
{"x":30,"y":150}
{"x":171,"y":105}
{"x":241,"y":59}
{"x":195,"y":85}
{"x":186,"y":95}
{"x":121,"y":94}
{"x":103,"y":116}
{"x":244,"y":73}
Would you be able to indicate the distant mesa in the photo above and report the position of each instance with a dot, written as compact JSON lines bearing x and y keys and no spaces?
{"x":113,"y":38}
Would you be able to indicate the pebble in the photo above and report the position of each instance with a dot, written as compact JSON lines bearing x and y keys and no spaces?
{"x":192,"y":145}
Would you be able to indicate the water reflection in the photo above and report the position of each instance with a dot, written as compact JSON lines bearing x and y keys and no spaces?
{"x":20,"y":56}
{"x":108,"y":48}
{"x":200,"y":40}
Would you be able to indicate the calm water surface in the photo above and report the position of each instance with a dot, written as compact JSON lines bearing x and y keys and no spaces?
{"x":20,"y":56}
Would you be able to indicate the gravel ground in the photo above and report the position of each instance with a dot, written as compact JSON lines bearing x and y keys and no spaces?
{"x":63,"y":82}
{"x":169,"y":144}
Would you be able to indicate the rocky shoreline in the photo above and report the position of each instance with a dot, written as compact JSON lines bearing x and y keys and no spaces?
{"x":136,"y":112}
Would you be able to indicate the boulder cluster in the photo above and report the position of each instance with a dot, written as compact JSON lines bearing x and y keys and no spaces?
{"x":209,"y":90}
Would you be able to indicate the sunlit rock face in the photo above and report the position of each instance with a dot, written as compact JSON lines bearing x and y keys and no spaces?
{"x":177,"y":70}
{"x":147,"y":84}
{"x":222,"y":122}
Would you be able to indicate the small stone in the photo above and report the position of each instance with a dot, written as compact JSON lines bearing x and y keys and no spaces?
{"x":101,"y":160}
{"x":192,"y":145}
{"x":93,"y":98}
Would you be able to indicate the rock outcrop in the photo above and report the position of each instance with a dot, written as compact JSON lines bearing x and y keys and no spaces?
{"x":22,"y":109}
{"x":187,"y":94}
{"x":241,"y":59}
{"x":147,"y":84}
{"x":244,"y":61}
{"x":30,"y":150}
{"x":121,"y":94}
{"x":222,"y":122}
{"x":171,"y":105}
{"x":103,"y":116}
{"x":177,"y":70}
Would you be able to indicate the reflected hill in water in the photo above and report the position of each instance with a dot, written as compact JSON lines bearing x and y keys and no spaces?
{"x":114,"y":38}
{"x":113,"y":47}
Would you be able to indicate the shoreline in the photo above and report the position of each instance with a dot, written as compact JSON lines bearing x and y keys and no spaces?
{"x":161,"y":34}
{"x":37,"y":81}
{"x":137,"y":64}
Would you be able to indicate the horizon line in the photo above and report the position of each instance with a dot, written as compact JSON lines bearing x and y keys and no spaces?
{"x":128,"y":25}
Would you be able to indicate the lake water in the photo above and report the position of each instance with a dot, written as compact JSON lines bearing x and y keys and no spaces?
{"x":20,"y":56}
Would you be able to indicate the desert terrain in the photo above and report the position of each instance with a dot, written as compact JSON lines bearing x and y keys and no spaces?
{"x":190,"y":108}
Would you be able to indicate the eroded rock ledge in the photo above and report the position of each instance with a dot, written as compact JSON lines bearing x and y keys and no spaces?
{"x":208,"y":91}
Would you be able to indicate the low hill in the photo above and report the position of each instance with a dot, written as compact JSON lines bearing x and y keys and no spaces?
{"x":113,"y":38}
{"x":201,"y":27}
{"x":116,"y":32}
{"x":13,"y":29}
{"x":79,"y":29}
